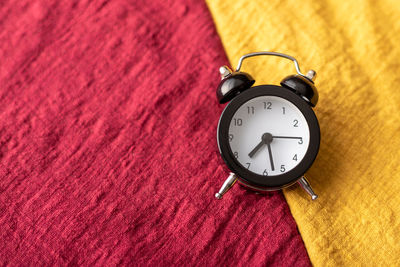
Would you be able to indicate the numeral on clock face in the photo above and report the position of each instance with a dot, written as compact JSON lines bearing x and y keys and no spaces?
{"x":238,"y":122}
{"x":267,"y":105}
{"x":250,"y":110}
{"x":283,"y":168}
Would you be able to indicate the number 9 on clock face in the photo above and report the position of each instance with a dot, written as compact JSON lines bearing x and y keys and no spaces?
{"x":268,"y":136}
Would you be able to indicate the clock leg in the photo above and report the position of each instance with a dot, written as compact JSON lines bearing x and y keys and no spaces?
{"x":307,"y":187}
{"x":227,"y":185}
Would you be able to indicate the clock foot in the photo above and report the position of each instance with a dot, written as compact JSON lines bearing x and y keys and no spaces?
{"x":307,"y":187}
{"x":227,"y":185}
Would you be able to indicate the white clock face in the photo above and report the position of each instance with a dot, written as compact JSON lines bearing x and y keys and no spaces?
{"x":269,"y":135}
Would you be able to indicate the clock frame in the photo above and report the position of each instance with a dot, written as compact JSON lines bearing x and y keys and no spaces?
{"x":251,"y":179}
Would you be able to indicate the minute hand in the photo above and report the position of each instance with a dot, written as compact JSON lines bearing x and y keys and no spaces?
{"x":287,"y":137}
{"x":271,"y":160}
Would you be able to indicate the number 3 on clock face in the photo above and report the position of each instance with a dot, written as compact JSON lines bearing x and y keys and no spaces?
{"x":268,"y":136}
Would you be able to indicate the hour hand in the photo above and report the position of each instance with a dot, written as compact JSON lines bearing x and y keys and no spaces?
{"x":254,"y":151}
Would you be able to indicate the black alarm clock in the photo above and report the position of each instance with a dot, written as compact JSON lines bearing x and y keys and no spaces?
{"x":267,"y":135}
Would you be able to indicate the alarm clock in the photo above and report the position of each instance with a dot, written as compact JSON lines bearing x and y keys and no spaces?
{"x":268,"y":135}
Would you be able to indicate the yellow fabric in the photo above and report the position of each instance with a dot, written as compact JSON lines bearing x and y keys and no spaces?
{"x":355,"y":48}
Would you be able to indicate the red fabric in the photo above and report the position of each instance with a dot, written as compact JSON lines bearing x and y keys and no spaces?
{"x":108,"y":153}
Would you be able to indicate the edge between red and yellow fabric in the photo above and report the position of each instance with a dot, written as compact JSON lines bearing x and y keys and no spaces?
{"x":354,"y":47}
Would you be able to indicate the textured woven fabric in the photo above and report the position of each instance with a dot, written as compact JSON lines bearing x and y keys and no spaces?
{"x":108,"y":153}
{"x":354,"y":47}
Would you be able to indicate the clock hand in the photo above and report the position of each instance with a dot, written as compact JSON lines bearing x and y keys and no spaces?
{"x":270,"y":156}
{"x":266,"y":138}
{"x":254,"y":151}
{"x":287,"y":137}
